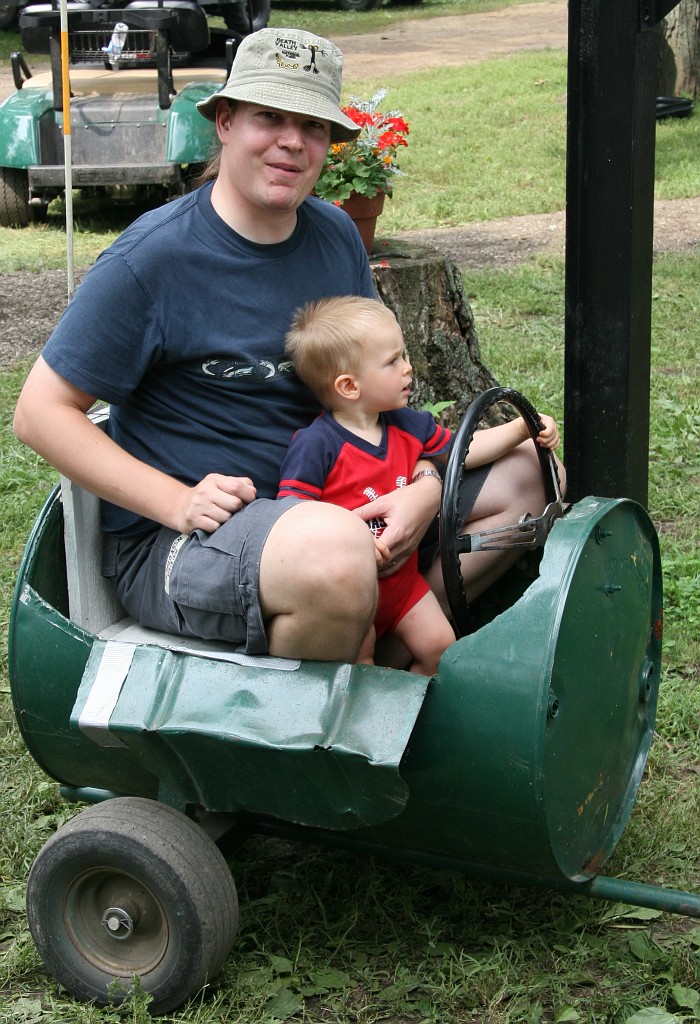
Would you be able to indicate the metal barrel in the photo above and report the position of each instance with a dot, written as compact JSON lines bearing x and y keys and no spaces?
{"x":522,"y":757}
{"x":531,"y":744}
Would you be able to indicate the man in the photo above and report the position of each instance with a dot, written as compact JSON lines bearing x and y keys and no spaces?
{"x":180,"y":326}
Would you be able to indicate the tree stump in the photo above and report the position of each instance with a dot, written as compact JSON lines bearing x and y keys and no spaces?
{"x":679,"y":50}
{"x":423,"y":288}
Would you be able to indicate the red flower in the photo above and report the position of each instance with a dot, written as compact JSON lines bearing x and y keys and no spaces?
{"x":358,"y":116}
{"x":390,"y":140}
{"x":398,"y":125}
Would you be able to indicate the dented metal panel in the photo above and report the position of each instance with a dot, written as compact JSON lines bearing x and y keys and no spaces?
{"x":320,"y":745}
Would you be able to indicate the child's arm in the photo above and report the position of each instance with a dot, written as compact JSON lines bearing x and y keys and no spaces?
{"x":493,"y":442}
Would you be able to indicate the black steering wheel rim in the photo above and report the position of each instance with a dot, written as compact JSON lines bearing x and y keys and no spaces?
{"x":454,"y":474}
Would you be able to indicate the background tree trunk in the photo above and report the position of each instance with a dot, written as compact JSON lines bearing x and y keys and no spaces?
{"x":424,"y":290}
{"x":679,"y":51}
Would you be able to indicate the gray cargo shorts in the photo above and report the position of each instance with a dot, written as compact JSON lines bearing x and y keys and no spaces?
{"x":199,"y":584}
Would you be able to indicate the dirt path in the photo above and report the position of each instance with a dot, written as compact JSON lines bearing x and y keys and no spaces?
{"x":421,"y":44}
{"x":29,"y":308}
{"x":501,"y":243}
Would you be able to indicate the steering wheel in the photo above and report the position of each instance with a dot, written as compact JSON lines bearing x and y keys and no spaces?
{"x":529,"y":532}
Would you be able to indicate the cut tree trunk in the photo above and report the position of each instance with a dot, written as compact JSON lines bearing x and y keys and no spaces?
{"x":424,"y":290}
{"x":679,"y":51}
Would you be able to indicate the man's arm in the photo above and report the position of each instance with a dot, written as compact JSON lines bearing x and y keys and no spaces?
{"x":51,"y":417}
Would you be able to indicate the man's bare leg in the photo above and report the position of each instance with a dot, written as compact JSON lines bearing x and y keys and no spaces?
{"x":318,"y":583}
{"x":513,"y":487}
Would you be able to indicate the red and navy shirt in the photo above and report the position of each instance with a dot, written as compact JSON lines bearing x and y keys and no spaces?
{"x":327,"y":462}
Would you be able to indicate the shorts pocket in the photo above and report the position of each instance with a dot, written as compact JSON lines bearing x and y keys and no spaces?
{"x":205,"y":576}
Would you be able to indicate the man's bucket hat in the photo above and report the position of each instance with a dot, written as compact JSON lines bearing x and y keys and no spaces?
{"x":290,"y":70}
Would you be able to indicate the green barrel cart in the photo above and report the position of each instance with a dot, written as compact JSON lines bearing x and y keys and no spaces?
{"x":520,"y":759}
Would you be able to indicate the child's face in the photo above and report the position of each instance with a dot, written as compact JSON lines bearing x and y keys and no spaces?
{"x":384,"y":375}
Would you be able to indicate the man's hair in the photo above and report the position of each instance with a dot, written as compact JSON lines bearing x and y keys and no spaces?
{"x":213,"y":165}
{"x":329,"y":337}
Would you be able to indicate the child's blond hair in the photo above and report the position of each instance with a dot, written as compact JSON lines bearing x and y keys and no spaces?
{"x":329,"y":337}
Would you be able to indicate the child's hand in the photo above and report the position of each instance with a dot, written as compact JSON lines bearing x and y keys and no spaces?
{"x":381,"y":552}
{"x":548,"y":437}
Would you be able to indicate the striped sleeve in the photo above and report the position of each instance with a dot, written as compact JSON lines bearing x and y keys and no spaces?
{"x":305,"y":467}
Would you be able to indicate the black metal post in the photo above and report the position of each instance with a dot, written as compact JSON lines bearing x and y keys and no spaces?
{"x":609,"y":246}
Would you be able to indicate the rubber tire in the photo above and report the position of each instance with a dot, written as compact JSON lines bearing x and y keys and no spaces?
{"x":9,"y":16}
{"x":173,"y":880}
{"x":235,"y":15}
{"x":356,"y":5}
{"x":15,"y":209}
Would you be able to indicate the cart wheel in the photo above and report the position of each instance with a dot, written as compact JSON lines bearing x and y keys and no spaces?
{"x":132,"y":887}
{"x":15,"y":208}
{"x":238,"y":15}
{"x":8,"y":16}
{"x":452,"y":541}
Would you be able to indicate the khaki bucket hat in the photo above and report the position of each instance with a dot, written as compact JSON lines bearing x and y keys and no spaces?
{"x":288,"y":69}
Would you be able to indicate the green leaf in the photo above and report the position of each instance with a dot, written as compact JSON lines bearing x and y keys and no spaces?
{"x":31,"y":1010}
{"x":12,"y":898}
{"x":621,"y":911}
{"x":652,"y":1015}
{"x":642,"y":913}
{"x":688,"y":998}
{"x":435,"y":408}
{"x":281,"y":965}
{"x":643,"y":947}
{"x":331,"y":978}
{"x":283,"y":1005}
{"x":566,"y":1013}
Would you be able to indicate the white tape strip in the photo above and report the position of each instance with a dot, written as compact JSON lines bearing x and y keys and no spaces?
{"x":104,"y":694}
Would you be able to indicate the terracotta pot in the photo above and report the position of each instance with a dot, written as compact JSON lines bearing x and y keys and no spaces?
{"x":364,"y":210}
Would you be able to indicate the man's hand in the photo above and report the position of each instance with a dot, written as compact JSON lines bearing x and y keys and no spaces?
{"x":407,"y":513}
{"x":212,"y":502}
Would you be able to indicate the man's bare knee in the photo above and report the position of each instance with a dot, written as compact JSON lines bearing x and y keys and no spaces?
{"x":319,"y":583}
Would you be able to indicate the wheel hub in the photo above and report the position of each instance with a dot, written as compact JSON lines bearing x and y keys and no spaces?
{"x":118,"y":922}
{"x":115,"y":922}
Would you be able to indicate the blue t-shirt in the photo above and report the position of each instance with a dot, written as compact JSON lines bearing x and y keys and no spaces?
{"x":180,"y":326}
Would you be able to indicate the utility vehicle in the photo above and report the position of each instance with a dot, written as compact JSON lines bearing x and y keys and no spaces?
{"x":136,"y":71}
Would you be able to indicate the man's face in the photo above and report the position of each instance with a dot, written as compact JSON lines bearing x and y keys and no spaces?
{"x":271,"y":158}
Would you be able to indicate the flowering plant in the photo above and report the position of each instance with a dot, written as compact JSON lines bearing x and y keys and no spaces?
{"x":368,"y":164}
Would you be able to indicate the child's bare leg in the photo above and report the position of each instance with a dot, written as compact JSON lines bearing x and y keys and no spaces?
{"x":366,"y":652}
{"x":426,"y":633}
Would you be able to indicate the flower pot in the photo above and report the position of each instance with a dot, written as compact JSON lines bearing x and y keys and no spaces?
{"x":364,"y":211}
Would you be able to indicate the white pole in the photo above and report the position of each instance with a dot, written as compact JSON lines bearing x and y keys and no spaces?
{"x":67,"y":148}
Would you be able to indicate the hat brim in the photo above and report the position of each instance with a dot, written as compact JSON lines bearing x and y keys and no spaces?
{"x":296,"y":101}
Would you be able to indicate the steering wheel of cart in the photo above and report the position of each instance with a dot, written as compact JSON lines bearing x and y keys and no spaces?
{"x":529,"y":532}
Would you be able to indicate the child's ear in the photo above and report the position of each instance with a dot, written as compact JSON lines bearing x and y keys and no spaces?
{"x":347,"y":387}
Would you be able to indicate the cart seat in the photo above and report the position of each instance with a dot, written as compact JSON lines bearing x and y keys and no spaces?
{"x":127,"y":81}
{"x":93,"y":604}
{"x":182,"y":23}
